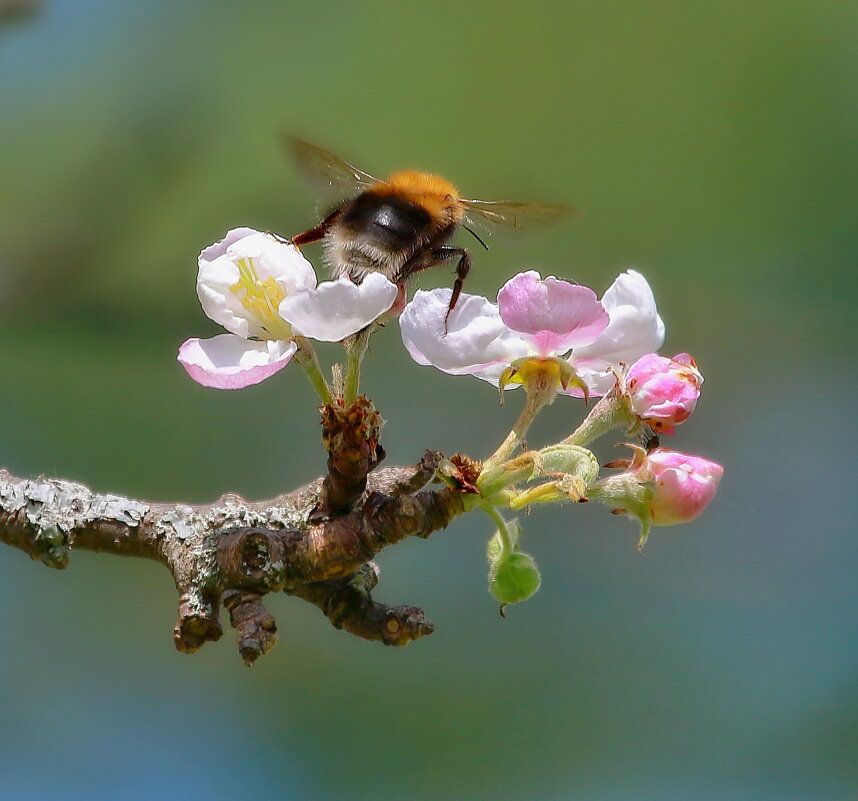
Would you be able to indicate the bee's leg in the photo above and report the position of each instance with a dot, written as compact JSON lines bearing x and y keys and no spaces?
{"x":317,"y":233}
{"x":443,"y":253}
{"x":313,"y":235}
{"x":436,"y":256}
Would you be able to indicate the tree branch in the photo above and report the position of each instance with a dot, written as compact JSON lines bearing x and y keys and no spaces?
{"x":350,"y":435}
{"x":348,"y":604}
{"x":235,"y":551}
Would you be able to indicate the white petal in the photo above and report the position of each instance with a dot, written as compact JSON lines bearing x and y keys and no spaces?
{"x":635,"y":327}
{"x":476,"y":338}
{"x":597,"y":374}
{"x":214,"y":289}
{"x":338,"y":309}
{"x":281,"y":261}
{"x":219,"y":248}
{"x":218,"y":274}
{"x":230,"y":362}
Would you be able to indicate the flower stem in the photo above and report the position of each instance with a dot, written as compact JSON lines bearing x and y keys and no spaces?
{"x":498,"y":477}
{"x":355,"y":349}
{"x":611,"y":411}
{"x":534,"y":404}
{"x":505,"y":537}
{"x":308,"y":361}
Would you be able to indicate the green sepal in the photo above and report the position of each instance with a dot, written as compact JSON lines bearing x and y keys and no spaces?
{"x":630,"y":494}
{"x":566,"y":460}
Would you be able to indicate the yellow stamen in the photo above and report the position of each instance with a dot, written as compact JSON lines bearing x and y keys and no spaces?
{"x":261,"y":299}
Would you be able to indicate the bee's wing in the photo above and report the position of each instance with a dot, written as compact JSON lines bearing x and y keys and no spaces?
{"x":325,"y":173}
{"x":496,"y":216}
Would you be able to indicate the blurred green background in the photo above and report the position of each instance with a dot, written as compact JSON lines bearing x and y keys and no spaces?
{"x":711,"y":145}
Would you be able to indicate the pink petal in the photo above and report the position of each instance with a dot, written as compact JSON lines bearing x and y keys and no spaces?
{"x":229,"y":362}
{"x":684,"y":485}
{"x":552,"y":314}
{"x":663,"y":389}
{"x":685,"y":358}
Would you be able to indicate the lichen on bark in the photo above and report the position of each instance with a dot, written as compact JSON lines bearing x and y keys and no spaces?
{"x":314,"y":543}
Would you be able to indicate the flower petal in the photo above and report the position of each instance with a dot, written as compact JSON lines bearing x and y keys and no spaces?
{"x":683,"y":486}
{"x":597,"y":374}
{"x":634,"y":328}
{"x":552,"y":314}
{"x":281,"y":261}
{"x":218,"y":249}
{"x":337,"y":309}
{"x":476,"y":340}
{"x":214,"y":282}
{"x":663,"y":391}
{"x":219,"y":274}
{"x":228,"y":361}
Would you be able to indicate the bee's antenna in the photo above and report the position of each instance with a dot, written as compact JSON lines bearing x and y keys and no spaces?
{"x":475,"y":237}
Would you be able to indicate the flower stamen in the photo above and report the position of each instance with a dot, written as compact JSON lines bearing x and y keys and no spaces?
{"x":261,"y":298}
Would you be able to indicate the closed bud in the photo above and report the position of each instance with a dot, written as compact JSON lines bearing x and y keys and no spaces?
{"x":663,"y":391}
{"x":684,"y":486}
{"x":515,"y":579}
{"x":513,"y":575}
{"x":661,"y":488}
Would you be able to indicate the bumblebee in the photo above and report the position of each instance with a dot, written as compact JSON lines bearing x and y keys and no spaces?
{"x":403,"y":224}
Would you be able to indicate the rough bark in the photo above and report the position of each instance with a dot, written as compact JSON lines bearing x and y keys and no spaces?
{"x":315,"y":543}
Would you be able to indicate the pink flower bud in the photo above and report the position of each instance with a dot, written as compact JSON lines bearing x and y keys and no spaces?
{"x":683,"y":485}
{"x":664,"y":391}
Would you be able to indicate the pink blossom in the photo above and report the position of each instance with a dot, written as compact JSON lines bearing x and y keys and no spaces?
{"x":550,"y":314}
{"x":546,"y":326}
{"x":683,"y":485}
{"x":663,"y":391}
